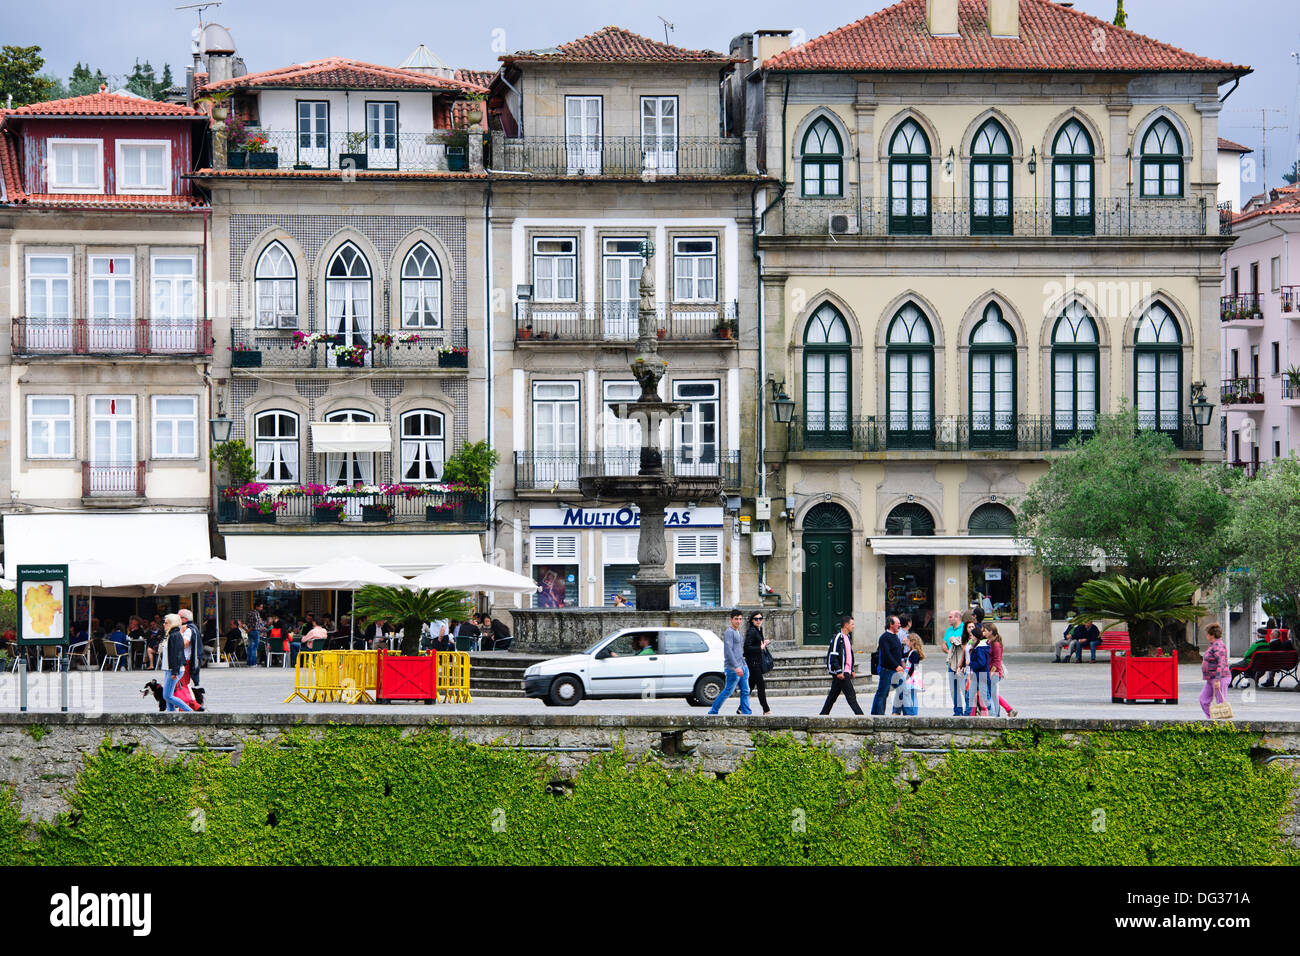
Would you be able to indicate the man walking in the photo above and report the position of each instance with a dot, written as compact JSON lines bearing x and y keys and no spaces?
{"x":193,"y":648}
{"x":839,"y":661}
{"x":891,"y":666}
{"x":733,"y":660}
{"x":255,"y":627}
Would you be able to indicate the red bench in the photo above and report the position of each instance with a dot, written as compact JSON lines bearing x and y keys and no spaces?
{"x":1115,"y":641}
{"x":1282,"y":663}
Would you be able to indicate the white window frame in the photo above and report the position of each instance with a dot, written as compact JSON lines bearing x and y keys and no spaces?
{"x":404,"y":443}
{"x":276,"y":456}
{"x":113,"y":417}
{"x":689,"y":420}
{"x":51,"y":182}
{"x":158,"y":419}
{"x":70,"y":418}
{"x":417,"y":289}
{"x":276,"y":317}
{"x":175,"y":293}
{"x":49,"y":279}
{"x":165,"y":187}
{"x":694,"y":279}
{"x":553,"y":258}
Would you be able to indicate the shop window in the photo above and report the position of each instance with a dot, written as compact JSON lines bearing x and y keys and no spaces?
{"x":620,"y":566}
{"x":555,"y":569}
{"x":994,"y":584}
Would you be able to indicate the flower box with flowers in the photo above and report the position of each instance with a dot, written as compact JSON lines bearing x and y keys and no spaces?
{"x":303,"y":340}
{"x":444,"y":510}
{"x":353,"y":356}
{"x":381,"y":512}
{"x":453,"y":357}
{"x":326,"y":512}
{"x":241,"y":356}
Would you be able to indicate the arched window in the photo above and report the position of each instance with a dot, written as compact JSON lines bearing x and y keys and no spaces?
{"x":421,"y":289}
{"x":992,"y":381}
{"x":349,"y":467}
{"x":909,"y":181}
{"x":275,"y":446}
{"x":990,"y":181}
{"x":277,"y":289}
{"x":1158,"y":372}
{"x":910,"y":518}
{"x":826,"y":378}
{"x":992,"y":519}
{"x":1072,"y":181}
{"x":909,"y":387}
{"x":823,"y":160}
{"x":424,"y":447}
{"x":1162,"y":160}
{"x":347,"y":308}
{"x":1076,"y":389}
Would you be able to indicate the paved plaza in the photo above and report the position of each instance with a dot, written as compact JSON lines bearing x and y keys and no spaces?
{"x":1039,"y":688}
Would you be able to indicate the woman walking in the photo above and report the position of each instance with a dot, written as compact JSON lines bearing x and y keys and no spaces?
{"x":173,"y":662}
{"x":913,"y":654}
{"x":996,"y":672}
{"x":755,"y":644}
{"x":1214,"y":669}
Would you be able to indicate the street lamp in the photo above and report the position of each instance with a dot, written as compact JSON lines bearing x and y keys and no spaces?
{"x":1202,"y":409}
{"x":221,"y":425}
{"x":782,"y":404}
{"x":1033,"y":161}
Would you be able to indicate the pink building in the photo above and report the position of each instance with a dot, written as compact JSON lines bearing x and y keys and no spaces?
{"x":1260,"y":332}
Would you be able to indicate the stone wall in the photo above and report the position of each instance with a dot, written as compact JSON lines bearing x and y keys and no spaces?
{"x":569,"y":630}
{"x":40,"y":754}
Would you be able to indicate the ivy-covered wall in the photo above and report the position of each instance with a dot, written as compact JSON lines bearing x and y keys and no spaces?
{"x":369,"y":795}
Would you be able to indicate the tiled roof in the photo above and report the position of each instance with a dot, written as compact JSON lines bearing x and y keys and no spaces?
{"x":114,"y":201}
{"x":104,"y":104}
{"x":460,"y":111}
{"x":1052,"y":37}
{"x":616,"y":45}
{"x":1228,"y":146}
{"x":13,"y":186}
{"x":477,"y":77}
{"x":341,"y":73}
{"x":1283,"y":201}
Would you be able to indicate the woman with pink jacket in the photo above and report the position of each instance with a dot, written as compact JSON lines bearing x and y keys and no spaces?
{"x":996,"y":671}
{"x":1214,"y":669}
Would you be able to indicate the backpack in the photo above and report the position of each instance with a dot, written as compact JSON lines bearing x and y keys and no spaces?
{"x":979,"y":658}
{"x":835,"y":655}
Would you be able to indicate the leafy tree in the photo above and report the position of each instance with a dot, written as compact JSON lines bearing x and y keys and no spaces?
{"x":165,"y":83}
{"x":236,"y":460}
{"x":142,"y":81}
{"x":57,"y":90}
{"x":20,"y":75}
{"x":1141,"y":604}
{"x":1121,"y":18}
{"x":409,"y":608}
{"x":1293,"y":176}
{"x":1265,"y":533}
{"x":1125,"y":496}
{"x":82,"y":82}
{"x":472,"y":465}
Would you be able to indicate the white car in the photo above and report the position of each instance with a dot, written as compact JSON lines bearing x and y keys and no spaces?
{"x":639,"y":662}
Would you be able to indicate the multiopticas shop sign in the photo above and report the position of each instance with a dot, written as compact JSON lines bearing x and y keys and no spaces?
{"x":624,"y":519}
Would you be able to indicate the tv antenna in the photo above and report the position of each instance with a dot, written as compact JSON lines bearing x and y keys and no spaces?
{"x":667,"y":26}
{"x":200,"y":7}
{"x":1263,"y":128}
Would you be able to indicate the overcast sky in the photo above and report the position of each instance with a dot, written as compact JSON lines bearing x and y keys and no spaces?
{"x":269,"y":33}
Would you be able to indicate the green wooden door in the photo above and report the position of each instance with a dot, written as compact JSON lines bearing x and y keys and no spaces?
{"x":827,"y":584}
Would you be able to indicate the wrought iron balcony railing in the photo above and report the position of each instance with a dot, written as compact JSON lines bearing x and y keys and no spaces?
{"x":620,"y":156}
{"x":253,"y":347}
{"x":42,"y":336}
{"x":849,"y":215}
{"x":448,"y":507}
{"x":286,"y":149}
{"x":1289,"y":301}
{"x":1242,"y":391}
{"x":540,"y":471}
{"x":1244,"y":306}
{"x":619,"y":322}
{"x":959,"y":434}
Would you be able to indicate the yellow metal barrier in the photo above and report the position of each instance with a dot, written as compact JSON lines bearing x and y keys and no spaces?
{"x":351,"y":677}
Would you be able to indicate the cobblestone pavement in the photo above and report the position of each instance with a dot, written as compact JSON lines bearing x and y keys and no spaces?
{"x":1036,"y":688}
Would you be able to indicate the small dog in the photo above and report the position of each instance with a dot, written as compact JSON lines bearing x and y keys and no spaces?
{"x":155,"y":688}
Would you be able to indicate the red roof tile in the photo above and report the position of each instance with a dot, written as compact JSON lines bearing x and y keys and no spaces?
{"x":1283,"y":204}
{"x":341,"y":73}
{"x":104,"y":104}
{"x":13,"y":186}
{"x":1052,"y":37}
{"x":477,"y":77}
{"x":616,"y":45}
{"x":114,"y":202}
{"x":1229,"y":146}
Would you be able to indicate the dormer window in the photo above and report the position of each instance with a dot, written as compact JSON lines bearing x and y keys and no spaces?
{"x":143,"y":166}
{"x":76,"y":166}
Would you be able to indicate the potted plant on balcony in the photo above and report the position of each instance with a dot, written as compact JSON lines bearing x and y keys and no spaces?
{"x":259,"y":156}
{"x":727,"y":329}
{"x":1293,"y":380}
{"x":408,"y":675}
{"x":474,"y":113}
{"x":457,"y":148}
{"x":235,"y":469}
{"x":353,"y":356}
{"x":355,"y":157}
{"x":241,"y":356}
{"x":453,"y":356}
{"x":380,"y":512}
{"x":525,"y":333}
{"x":329,"y":511}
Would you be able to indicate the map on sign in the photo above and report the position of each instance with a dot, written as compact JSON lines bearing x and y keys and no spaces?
{"x":42,"y":608}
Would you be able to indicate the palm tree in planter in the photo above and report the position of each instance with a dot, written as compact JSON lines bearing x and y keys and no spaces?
{"x":1141,"y":603}
{"x":410,"y":609}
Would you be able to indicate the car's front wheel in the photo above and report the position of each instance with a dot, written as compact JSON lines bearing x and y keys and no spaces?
{"x":707,"y":688}
{"x":566,"y":690}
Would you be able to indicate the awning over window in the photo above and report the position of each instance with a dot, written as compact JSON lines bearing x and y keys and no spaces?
{"x":351,"y":436}
{"x":958,"y":544}
{"x":405,"y":554}
{"x":136,"y":544}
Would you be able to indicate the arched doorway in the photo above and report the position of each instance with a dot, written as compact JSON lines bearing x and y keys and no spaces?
{"x":909,"y":578}
{"x":827,"y":571}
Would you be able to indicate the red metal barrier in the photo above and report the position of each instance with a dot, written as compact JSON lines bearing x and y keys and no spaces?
{"x":1143,"y":678}
{"x":406,"y":678}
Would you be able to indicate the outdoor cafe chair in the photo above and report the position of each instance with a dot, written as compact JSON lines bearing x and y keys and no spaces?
{"x":272,"y":651}
{"x":109,"y":651}
{"x":80,"y":652}
{"x":52,"y":653}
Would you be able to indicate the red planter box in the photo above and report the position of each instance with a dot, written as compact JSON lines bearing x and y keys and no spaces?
{"x":1143,"y":678}
{"x":406,"y":678}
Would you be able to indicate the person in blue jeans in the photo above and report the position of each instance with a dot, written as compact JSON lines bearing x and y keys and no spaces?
{"x":889,"y":652}
{"x":255,"y":627}
{"x":733,"y":660}
{"x":979,"y":657}
{"x":173,"y":662}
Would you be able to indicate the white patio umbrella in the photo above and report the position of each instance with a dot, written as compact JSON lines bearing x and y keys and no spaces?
{"x":205,"y":573}
{"x":346,"y":574}
{"x":472,"y":575}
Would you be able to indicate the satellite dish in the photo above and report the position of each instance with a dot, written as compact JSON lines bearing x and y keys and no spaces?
{"x":217,"y":39}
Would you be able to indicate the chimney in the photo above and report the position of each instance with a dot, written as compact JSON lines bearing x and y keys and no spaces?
{"x":219,"y":67}
{"x":1004,"y":18}
{"x":768,"y":43}
{"x":941,"y":17}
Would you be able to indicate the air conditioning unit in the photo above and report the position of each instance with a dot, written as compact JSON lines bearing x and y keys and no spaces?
{"x":761,"y":543}
{"x":841,"y":224}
